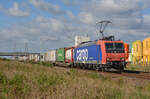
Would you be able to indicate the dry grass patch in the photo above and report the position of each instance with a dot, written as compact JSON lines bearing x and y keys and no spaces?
{"x":34,"y":81}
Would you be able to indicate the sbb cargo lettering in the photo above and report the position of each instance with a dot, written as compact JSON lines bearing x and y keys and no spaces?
{"x":82,"y":54}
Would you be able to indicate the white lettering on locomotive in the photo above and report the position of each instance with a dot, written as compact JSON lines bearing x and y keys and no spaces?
{"x":82,"y":55}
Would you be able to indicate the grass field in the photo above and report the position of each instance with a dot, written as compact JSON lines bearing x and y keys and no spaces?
{"x":138,"y":68}
{"x":33,"y":81}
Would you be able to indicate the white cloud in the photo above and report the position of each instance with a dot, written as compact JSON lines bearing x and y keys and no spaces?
{"x":86,"y":18}
{"x":15,"y":11}
{"x":71,"y":2}
{"x":70,"y":15}
{"x":54,"y":24}
{"x":45,"y":6}
{"x":129,"y":23}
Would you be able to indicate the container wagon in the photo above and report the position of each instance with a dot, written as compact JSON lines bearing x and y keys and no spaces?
{"x":34,"y":57}
{"x":47,"y":56}
{"x":52,"y":56}
{"x":60,"y":56}
{"x":42,"y":57}
{"x":69,"y":55}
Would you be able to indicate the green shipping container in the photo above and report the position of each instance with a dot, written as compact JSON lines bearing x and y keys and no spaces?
{"x":60,"y":55}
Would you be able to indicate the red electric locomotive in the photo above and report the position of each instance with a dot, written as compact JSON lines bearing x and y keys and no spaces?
{"x":102,"y":54}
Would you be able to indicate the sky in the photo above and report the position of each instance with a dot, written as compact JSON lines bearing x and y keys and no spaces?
{"x":42,"y":25}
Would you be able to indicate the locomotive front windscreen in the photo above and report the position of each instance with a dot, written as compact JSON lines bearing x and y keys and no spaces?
{"x":114,"y":47}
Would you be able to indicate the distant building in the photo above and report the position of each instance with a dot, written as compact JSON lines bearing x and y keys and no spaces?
{"x":80,"y":39}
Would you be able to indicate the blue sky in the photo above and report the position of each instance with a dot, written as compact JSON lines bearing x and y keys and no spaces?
{"x":5,"y":20}
{"x":50,"y":24}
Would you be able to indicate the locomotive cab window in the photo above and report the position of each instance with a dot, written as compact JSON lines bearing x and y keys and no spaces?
{"x":114,"y":47}
{"x":109,"y":46}
{"x":119,"y":46}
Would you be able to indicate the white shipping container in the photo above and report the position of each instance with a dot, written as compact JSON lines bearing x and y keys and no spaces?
{"x":47,"y":56}
{"x":68,"y":54}
{"x":50,"y":56}
{"x":53,"y":55}
{"x":22,"y":58}
{"x":34,"y":57}
{"x":31,"y":57}
{"x":42,"y":58}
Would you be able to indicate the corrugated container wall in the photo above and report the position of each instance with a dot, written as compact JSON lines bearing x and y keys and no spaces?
{"x":69,"y":55}
{"x":137,"y":52}
{"x":146,"y":51}
{"x":52,"y":55}
{"x":60,"y":55}
{"x":42,"y":57}
{"x":23,"y":58}
{"x":34,"y":57}
{"x":47,"y":56}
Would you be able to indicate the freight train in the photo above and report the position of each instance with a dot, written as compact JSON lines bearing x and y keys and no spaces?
{"x":100,"y":55}
{"x":103,"y":54}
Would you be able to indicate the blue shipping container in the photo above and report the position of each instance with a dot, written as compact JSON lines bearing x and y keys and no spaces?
{"x":91,"y":53}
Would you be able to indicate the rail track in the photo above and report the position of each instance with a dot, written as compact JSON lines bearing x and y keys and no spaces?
{"x":125,"y":73}
{"x":131,"y":74}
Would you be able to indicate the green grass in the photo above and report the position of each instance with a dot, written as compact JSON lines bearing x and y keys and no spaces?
{"x":138,"y":68}
{"x":31,"y":81}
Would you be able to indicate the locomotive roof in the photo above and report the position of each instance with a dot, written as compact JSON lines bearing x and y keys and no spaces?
{"x":87,"y":43}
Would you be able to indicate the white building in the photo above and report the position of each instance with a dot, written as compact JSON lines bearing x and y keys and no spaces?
{"x":80,"y":39}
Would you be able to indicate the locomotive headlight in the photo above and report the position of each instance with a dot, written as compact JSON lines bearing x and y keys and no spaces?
{"x":122,"y":58}
{"x":108,"y":59}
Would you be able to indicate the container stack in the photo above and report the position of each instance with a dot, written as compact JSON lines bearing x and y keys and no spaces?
{"x":146,"y":51}
{"x":137,"y":52}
